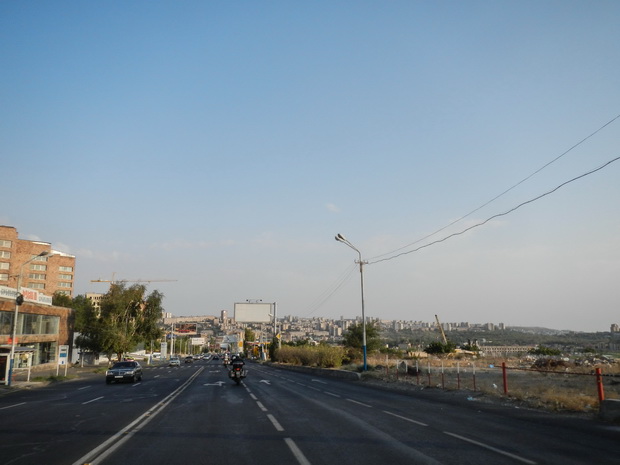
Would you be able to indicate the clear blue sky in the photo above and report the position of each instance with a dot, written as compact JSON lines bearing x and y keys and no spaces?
{"x":224,"y":144}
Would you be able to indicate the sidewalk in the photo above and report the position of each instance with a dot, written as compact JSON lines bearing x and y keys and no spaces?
{"x":42,"y":377}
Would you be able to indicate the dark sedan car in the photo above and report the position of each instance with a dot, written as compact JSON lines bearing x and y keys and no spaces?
{"x":124,"y":371}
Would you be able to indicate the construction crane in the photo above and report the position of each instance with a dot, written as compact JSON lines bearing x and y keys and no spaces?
{"x":116,"y":281}
{"x":132,"y":281}
{"x":443,"y":335}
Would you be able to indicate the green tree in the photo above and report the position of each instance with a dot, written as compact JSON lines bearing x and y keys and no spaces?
{"x":62,"y":300}
{"x":87,"y":324}
{"x":542,"y":350}
{"x":438,"y":348}
{"x":273,"y":347}
{"x":85,"y":312}
{"x":250,"y":335}
{"x":128,"y":317}
{"x":353,"y":337}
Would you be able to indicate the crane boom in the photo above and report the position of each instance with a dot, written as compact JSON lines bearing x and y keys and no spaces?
{"x":114,"y":281}
{"x":443,"y":335}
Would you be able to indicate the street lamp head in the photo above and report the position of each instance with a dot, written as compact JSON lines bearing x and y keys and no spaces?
{"x":345,"y":241}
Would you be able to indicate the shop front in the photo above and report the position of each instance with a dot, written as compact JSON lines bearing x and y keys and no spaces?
{"x":41,"y":329}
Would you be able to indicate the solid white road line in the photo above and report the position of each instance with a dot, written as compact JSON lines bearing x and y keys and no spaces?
{"x":494,"y":449}
{"x":359,"y":403}
{"x":11,"y":406}
{"x":405,"y":418}
{"x":104,"y":449}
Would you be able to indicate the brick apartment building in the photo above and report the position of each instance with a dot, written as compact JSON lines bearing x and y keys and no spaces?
{"x":41,"y":327}
{"x":50,"y":274}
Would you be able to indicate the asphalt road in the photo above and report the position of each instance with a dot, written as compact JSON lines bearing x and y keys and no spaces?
{"x":195,"y":414}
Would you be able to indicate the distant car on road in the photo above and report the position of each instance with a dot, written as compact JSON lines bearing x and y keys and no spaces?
{"x":174,"y":361}
{"x":189,"y":359}
{"x":124,"y":371}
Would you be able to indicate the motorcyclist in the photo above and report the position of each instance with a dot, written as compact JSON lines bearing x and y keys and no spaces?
{"x":237,"y":362}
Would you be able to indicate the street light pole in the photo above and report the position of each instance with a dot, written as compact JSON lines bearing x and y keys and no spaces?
{"x":275,"y":325}
{"x":341,"y":238}
{"x":18,"y":302}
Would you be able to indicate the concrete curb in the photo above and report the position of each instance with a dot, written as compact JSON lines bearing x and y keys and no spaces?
{"x":610,"y":410}
{"x":326,"y":372}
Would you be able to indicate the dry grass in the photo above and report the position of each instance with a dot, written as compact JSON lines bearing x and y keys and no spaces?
{"x":569,"y":388}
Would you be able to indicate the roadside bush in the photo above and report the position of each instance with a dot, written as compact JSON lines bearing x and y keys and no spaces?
{"x":287,"y":354}
{"x":323,"y":356}
{"x":330,"y":356}
{"x":542,"y":350}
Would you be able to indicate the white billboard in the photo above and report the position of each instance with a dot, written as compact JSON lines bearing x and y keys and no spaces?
{"x":253,"y":313}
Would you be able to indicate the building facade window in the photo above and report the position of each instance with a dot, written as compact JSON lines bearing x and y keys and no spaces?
{"x":6,"y":320}
{"x":66,"y":268}
{"x":4,"y":266}
{"x":29,"y":323}
{"x":36,"y":285}
{"x":65,"y":285}
{"x":45,"y":352}
{"x":4,"y":276}
{"x":5,"y":254}
{"x":38,"y":267}
{"x":65,"y":276}
{"x":37,"y":276}
{"x":39,"y":324}
{"x":6,"y":244}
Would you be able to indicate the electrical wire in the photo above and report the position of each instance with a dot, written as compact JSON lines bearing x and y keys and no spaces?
{"x":500,"y":195}
{"x":343,"y":278}
{"x":347,"y":274}
{"x":499,"y":214}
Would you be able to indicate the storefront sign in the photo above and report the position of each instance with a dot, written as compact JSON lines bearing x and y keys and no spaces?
{"x":30,"y":295}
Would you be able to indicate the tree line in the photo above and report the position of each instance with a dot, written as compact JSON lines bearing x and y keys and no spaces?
{"x":127,"y":317}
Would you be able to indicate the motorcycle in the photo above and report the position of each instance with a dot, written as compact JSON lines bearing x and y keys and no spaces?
{"x":237,"y":372}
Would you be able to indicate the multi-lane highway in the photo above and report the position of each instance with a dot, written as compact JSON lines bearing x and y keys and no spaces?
{"x":195,"y":414}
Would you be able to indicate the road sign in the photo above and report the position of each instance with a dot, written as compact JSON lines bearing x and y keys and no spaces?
{"x":63,"y":355}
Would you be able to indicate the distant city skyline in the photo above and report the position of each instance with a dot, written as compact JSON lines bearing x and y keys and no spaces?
{"x":169,"y":318}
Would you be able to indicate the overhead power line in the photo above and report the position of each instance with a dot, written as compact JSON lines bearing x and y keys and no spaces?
{"x":343,"y":278}
{"x":501,"y":194}
{"x":499,"y":214}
